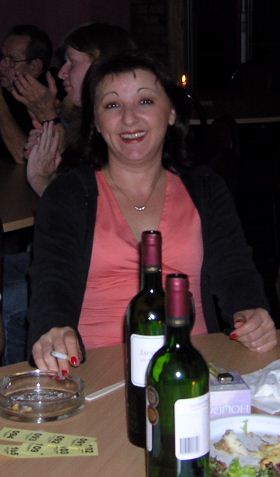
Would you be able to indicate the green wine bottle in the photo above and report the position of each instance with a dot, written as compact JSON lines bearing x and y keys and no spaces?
{"x":177,"y":395}
{"x":145,"y":331}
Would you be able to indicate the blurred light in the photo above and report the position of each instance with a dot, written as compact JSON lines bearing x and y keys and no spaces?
{"x":185,"y":80}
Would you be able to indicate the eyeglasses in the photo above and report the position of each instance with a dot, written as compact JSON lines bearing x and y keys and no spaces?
{"x":12,"y":62}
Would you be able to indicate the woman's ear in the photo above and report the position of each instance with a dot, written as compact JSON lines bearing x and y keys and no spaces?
{"x":172,"y":117}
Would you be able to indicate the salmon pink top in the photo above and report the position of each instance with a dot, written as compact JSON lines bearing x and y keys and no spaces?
{"x":113,"y":277}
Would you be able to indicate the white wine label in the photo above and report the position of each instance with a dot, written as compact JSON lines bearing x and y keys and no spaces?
{"x":45,"y":444}
{"x":192,"y":428}
{"x":142,"y":349}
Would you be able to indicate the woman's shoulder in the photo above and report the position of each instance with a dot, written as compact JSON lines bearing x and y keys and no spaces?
{"x":73,"y":185}
{"x":205,"y":185}
{"x":200,"y":170}
{"x":201,"y":174}
{"x":78,"y":177}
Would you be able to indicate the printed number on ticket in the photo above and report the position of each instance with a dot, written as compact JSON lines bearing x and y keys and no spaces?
{"x":46,"y":444}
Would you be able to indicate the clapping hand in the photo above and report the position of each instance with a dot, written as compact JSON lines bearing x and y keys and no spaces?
{"x":43,"y":156}
{"x":40,"y":100}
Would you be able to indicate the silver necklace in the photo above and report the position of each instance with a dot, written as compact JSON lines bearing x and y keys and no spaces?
{"x":139,"y":208}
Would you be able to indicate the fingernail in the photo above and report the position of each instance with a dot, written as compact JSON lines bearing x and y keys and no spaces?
{"x":64,"y":372}
{"x":239,"y":321}
{"x":233,"y":336}
{"x":74,"y":360}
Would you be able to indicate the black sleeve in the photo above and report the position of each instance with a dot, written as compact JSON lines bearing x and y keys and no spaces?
{"x":58,"y":273}
{"x":233,"y":277}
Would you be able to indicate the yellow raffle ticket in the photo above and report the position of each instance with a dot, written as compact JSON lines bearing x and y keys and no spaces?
{"x":45,"y":444}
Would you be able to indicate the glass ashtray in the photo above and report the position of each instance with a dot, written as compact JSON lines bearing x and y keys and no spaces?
{"x":39,"y":396}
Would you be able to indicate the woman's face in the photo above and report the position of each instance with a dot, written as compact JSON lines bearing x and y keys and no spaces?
{"x":73,"y":72}
{"x":132,"y":112}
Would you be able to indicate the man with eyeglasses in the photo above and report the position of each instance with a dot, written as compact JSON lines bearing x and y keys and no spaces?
{"x":26,"y":49}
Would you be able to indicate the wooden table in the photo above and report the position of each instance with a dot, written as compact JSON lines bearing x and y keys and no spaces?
{"x":17,"y":200}
{"x":105,"y":418}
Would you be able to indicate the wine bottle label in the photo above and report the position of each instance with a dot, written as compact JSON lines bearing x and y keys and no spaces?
{"x":142,"y":349}
{"x":152,"y":415}
{"x":192,"y":434}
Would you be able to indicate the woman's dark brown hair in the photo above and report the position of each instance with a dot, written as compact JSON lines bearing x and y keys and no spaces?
{"x":99,"y":39}
{"x":95,"y":148}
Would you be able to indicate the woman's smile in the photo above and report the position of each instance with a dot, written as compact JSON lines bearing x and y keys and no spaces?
{"x":136,"y":136}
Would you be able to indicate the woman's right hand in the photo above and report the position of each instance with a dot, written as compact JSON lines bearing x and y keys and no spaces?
{"x":43,"y":158}
{"x":64,"y":340}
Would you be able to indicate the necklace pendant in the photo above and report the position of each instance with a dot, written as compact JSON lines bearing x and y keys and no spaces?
{"x":139,"y":208}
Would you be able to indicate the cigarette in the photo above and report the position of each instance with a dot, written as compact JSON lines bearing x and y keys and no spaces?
{"x":58,"y":355}
{"x":104,"y":391}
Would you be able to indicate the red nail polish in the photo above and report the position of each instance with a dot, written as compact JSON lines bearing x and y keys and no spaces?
{"x":64,"y":372}
{"x":233,"y":336}
{"x":74,"y":360}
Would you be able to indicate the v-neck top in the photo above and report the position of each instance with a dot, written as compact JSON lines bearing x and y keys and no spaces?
{"x":114,"y":273}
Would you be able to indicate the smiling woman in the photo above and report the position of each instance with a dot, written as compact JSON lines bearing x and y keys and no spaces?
{"x":86,"y":256}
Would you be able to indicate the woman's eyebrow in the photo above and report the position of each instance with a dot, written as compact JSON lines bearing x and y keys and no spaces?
{"x":139,"y":90}
{"x":149,"y":88}
{"x":107,"y":93}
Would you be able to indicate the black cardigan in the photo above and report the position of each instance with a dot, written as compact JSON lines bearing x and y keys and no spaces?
{"x":63,"y":239}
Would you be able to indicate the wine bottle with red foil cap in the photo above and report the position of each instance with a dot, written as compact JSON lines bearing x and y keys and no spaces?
{"x":145,"y":332}
{"x":177,"y":395}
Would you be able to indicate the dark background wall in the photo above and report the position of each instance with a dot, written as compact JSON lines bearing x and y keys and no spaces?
{"x":57,"y":17}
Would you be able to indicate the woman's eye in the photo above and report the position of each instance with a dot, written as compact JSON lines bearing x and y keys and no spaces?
{"x":111,"y":105}
{"x":146,"y":101}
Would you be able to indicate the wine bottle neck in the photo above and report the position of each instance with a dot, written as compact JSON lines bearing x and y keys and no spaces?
{"x":178,"y":336}
{"x":151,"y":278}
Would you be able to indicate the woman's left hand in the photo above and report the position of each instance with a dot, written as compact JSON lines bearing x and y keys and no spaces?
{"x":255,"y":329}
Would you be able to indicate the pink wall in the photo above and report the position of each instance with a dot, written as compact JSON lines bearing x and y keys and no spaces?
{"x":57,"y":17}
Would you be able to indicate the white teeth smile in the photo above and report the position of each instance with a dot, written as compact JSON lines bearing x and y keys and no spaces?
{"x":136,"y":135}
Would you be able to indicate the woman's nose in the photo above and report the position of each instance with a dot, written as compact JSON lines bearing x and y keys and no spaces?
{"x":129,"y":114}
{"x":63,"y":72}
